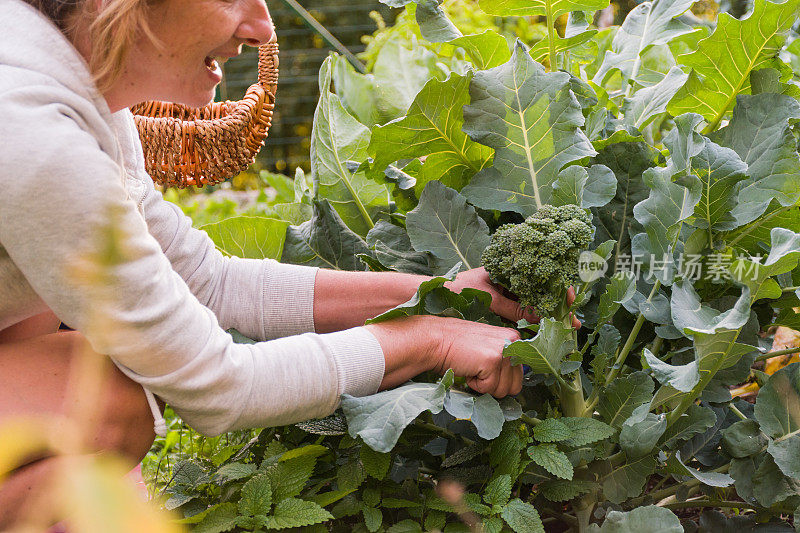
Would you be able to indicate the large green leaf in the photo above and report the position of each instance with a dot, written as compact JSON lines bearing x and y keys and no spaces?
{"x":554,"y":9}
{"x":648,"y":24}
{"x":668,"y":205}
{"x":623,"y":395}
{"x":755,"y":237}
{"x":432,"y":129}
{"x":690,"y":315}
{"x":532,"y":120}
{"x":256,"y":497}
{"x":770,"y":485}
{"x":487,"y":50}
{"x":445,"y":225}
{"x":483,"y":411}
{"x":680,"y":377}
{"x":760,"y":132}
{"x":551,"y":430}
{"x":720,"y":171}
{"x":721,"y":71}
{"x":549,"y":457}
{"x":695,"y":420}
{"x":744,"y":438}
{"x":293,"y":512}
{"x":646,"y":104}
{"x":381,"y":418}
{"x":324,"y":241}
{"x":628,"y":480}
{"x":288,"y":478}
{"x":433,"y":22}
{"x":628,"y":160}
{"x":337,"y":138}
{"x":757,"y":276}
{"x":522,"y":517}
{"x":641,"y":436}
{"x":545,"y":352}
{"x":592,"y":187}
{"x":392,"y":247}
{"x":778,"y":412}
{"x":220,"y":518}
{"x":585,"y":430}
{"x":250,"y":237}
{"x":649,"y":519}
{"x":498,"y":491}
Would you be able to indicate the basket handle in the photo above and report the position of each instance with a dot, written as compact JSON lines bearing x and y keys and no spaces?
{"x":268,"y":65}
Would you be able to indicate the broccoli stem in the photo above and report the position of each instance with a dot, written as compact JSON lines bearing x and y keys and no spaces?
{"x":571,"y":394}
{"x":572,"y":400}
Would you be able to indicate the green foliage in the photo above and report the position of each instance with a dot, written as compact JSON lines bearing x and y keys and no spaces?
{"x":669,"y":143}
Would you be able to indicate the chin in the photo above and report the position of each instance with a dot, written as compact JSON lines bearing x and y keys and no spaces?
{"x":197,"y":100}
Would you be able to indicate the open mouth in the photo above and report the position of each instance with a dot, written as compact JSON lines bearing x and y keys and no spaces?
{"x":214,"y":64}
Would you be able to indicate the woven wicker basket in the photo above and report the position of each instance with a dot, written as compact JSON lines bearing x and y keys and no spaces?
{"x":186,"y":146}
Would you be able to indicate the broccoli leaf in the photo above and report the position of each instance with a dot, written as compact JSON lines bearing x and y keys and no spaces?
{"x":324,"y":241}
{"x":432,"y":129}
{"x":648,"y":24}
{"x":381,"y":418}
{"x":338,"y":137}
{"x":249,"y":237}
{"x":445,"y":225}
{"x":545,"y":352}
{"x":720,"y":71}
{"x":533,"y":121}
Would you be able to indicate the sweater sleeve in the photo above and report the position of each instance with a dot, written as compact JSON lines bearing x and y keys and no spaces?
{"x":262,"y":299}
{"x":63,"y":190}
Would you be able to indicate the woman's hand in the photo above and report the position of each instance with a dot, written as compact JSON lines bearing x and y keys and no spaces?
{"x":473,"y":350}
{"x":478,"y":278}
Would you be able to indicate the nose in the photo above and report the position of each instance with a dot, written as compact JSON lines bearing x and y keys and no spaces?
{"x":256,"y":27}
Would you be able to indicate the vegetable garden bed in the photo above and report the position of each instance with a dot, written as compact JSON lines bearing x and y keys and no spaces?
{"x":682,"y":144}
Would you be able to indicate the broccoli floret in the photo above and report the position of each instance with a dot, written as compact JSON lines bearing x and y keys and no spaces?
{"x":538,"y":259}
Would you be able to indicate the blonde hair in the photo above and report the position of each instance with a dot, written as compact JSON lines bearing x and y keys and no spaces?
{"x":113,"y":30}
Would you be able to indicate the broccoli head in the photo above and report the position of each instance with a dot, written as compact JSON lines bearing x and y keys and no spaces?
{"x":537,"y":260}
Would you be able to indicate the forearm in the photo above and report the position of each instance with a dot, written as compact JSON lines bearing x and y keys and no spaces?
{"x":347,"y":299}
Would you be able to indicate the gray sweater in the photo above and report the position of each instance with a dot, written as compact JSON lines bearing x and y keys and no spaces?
{"x":66,"y":163}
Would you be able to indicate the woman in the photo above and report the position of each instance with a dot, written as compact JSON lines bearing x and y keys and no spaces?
{"x":70,"y":156}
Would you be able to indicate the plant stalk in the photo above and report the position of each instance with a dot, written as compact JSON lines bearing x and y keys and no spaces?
{"x":690,"y":397}
{"x":626,"y":350}
{"x":583,"y":508}
{"x":688,"y":504}
{"x":777,"y":353}
{"x":623,"y":354}
{"x":551,"y":36}
{"x":572,"y":400}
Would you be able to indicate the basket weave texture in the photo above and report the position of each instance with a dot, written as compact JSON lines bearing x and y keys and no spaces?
{"x":185,"y":146}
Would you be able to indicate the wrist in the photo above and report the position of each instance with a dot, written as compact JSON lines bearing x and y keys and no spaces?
{"x":409,"y":347}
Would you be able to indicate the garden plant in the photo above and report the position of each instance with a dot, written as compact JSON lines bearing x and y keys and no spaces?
{"x":672,"y":142}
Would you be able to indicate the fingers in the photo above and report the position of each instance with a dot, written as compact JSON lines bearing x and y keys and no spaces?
{"x":511,"y":310}
{"x":570,"y":295}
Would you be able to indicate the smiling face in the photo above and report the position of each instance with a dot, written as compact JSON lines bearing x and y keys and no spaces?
{"x":196,"y":38}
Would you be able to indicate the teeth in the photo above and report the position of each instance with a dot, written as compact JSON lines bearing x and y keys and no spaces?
{"x":215,"y":64}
